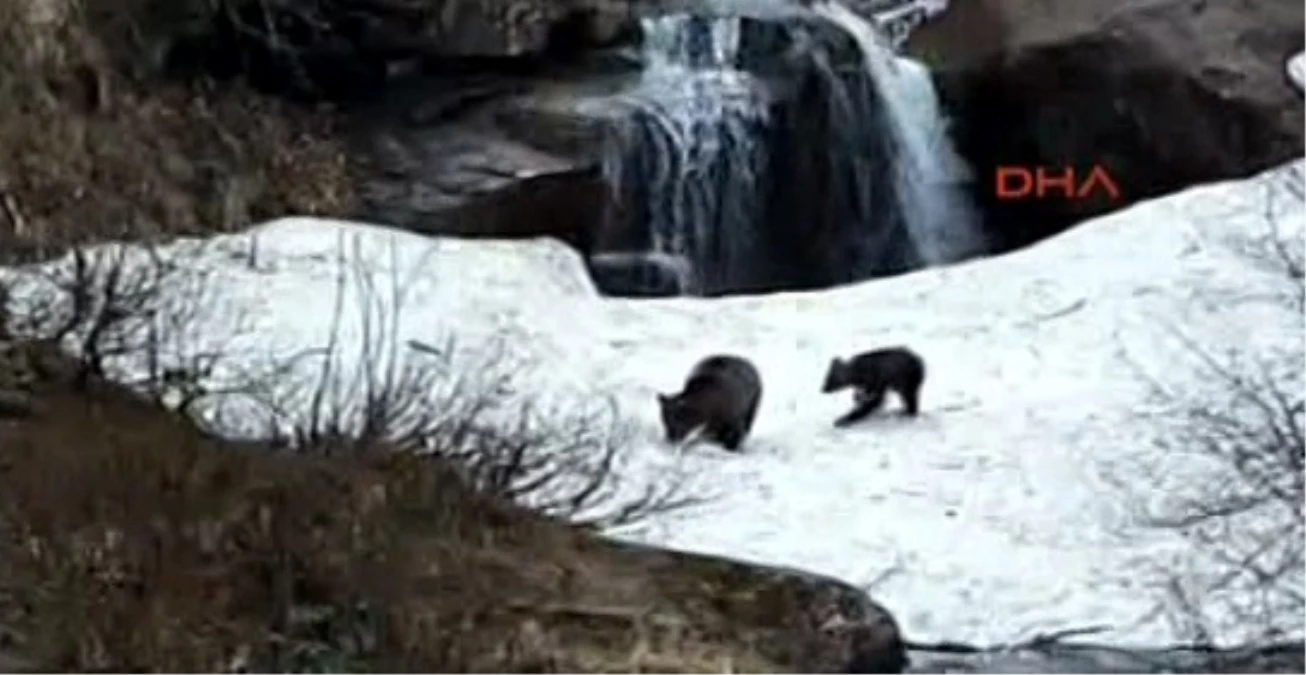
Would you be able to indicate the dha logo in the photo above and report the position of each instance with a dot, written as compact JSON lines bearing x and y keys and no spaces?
{"x":1040,"y":182}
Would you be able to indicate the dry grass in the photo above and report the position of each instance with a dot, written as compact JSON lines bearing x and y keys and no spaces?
{"x":90,"y":151}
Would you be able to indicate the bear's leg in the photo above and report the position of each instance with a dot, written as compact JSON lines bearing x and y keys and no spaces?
{"x":911,"y":399}
{"x":751,"y":415}
{"x":867,"y":402}
{"x":730,"y":437}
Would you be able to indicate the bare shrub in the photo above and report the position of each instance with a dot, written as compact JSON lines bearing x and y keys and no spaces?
{"x":388,"y":525}
{"x":453,"y":406}
{"x":131,"y":313}
{"x":133,"y":543}
{"x":1242,"y":512}
{"x":139,"y":315}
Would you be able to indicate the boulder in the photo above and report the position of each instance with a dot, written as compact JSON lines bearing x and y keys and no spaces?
{"x":486,"y":156}
{"x":477,"y":182}
{"x":797,"y":620}
{"x":853,"y":633}
{"x":1161,"y":94}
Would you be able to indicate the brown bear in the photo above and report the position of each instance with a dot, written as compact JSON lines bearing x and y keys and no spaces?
{"x":873,"y":373}
{"x":720,"y":398}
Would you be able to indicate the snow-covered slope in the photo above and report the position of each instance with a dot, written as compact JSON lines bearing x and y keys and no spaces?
{"x":1005,"y":509}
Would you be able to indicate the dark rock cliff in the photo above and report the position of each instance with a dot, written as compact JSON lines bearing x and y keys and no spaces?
{"x":1163,"y":95}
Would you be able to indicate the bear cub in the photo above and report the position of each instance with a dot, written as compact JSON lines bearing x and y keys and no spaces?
{"x":873,"y":373}
{"x":720,"y":397}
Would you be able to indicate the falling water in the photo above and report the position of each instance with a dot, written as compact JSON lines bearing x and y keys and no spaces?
{"x":692,"y":161}
{"x":734,"y":189}
{"x":943,"y":226}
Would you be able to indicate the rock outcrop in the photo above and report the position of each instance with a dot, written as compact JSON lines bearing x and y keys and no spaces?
{"x":486,"y":156}
{"x":477,"y":181}
{"x":800,"y":621}
{"x":471,"y":118}
{"x":1161,"y":94}
{"x":453,"y":131}
{"x":524,"y":156}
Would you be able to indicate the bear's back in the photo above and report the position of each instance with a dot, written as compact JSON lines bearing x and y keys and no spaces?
{"x":732,"y":375}
{"x":891,"y":364}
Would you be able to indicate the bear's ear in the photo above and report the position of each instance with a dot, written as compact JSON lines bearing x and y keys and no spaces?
{"x":663,"y":399}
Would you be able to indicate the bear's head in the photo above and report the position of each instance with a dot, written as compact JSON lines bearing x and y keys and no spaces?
{"x":679,"y":416}
{"x":836,"y":376}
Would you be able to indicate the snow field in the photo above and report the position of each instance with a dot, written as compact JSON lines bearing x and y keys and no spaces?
{"x":1008,"y":508}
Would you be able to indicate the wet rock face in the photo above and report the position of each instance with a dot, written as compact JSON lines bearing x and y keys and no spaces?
{"x":824,"y":184}
{"x":471,"y":181}
{"x":639,"y":274}
{"x":522,"y":156}
{"x":468,"y":119}
{"x":1161,"y":94}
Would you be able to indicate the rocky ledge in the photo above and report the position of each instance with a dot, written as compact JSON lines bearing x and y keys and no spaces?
{"x":1162,"y":94}
{"x":523,"y":154}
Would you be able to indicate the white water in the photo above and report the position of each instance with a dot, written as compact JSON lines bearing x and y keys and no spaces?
{"x":943,"y":225}
{"x":650,"y":272}
{"x":694,"y":165}
{"x":695,"y":118}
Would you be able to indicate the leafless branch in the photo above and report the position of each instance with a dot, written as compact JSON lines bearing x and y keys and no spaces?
{"x":380,"y":389}
{"x":1246,"y":426}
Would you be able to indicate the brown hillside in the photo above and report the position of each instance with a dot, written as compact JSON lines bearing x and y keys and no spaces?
{"x":134,"y":542}
{"x":95,"y":143}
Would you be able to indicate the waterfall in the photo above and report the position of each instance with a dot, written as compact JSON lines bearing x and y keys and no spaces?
{"x":928,"y":173}
{"x":792,"y":150}
{"x":691,"y":161}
